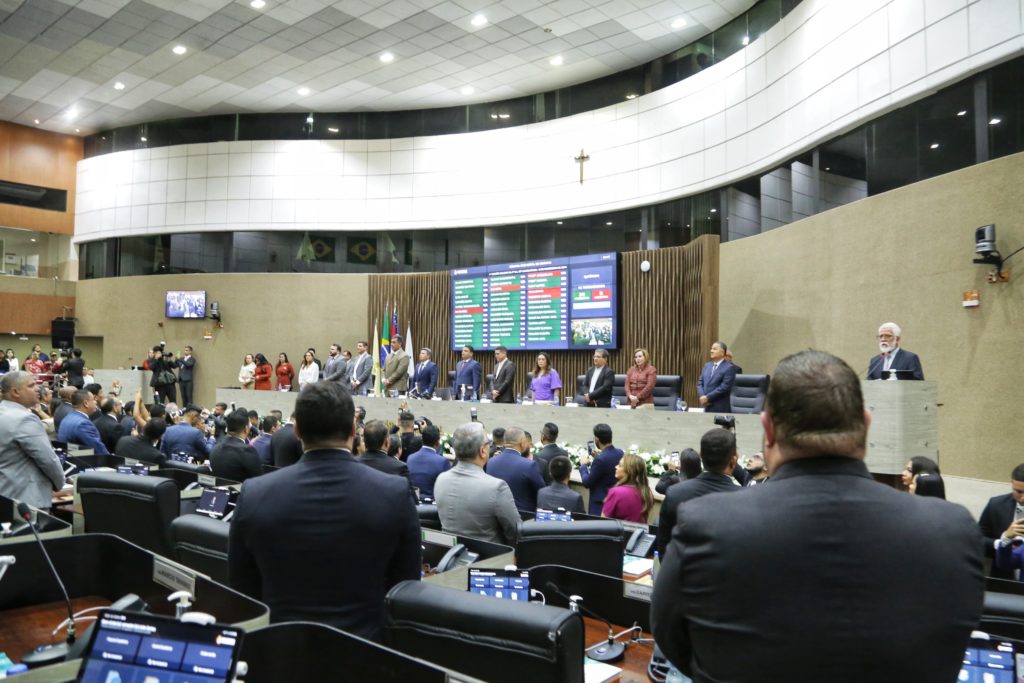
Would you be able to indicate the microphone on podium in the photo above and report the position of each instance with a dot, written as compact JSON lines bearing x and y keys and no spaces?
{"x":606,"y":651}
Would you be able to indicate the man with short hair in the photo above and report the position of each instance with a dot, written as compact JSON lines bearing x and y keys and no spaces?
{"x":503,"y":386}
{"x":893,"y":361}
{"x":861,"y":574}
{"x":285,"y":448}
{"x":718,"y":456}
{"x":716,"y":380}
{"x":77,"y":428}
{"x":29,"y":469}
{"x":325,"y":539}
{"x":471,"y":502}
{"x":336,"y":367}
{"x":186,"y":373}
{"x":232,"y":458}
{"x":598,"y":382}
{"x":261,"y":443}
{"x":521,"y":474}
{"x":543,"y":457}
{"x":64,"y":408}
{"x":144,"y":446}
{"x":75,"y":369}
{"x":999,"y":520}
{"x":558,"y":494}
{"x":220,"y":427}
{"x":362,"y":369}
{"x":396,"y":367}
{"x":467,"y":376}
{"x":425,"y":464}
{"x":599,"y":476}
{"x":376,"y":439}
{"x":108,"y":424}
{"x":187,"y":436}
{"x":424,"y":378}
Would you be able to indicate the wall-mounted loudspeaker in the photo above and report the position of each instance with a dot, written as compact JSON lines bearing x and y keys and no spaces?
{"x":62,"y":333}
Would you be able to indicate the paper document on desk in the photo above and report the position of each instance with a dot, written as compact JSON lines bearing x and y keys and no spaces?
{"x":599,"y":672}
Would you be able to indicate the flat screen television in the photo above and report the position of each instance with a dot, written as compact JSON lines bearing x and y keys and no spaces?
{"x":185,"y":304}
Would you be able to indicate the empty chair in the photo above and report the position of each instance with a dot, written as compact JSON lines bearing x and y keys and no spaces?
{"x":479,"y":636}
{"x":139,"y":509}
{"x":619,"y":390}
{"x":201,"y":542}
{"x":748,"y":393}
{"x":666,"y":391}
{"x":580,"y":389}
{"x":594,"y":546}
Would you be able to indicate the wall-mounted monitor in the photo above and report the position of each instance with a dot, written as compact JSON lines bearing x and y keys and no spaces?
{"x":185,"y":304}
{"x":548,"y":304}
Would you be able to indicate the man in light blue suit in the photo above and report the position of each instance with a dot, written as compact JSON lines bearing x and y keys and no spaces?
{"x":716,"y":380}
{"x":424,"y":378}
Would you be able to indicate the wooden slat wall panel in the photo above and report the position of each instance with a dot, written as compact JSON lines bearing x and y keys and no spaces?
{"x":672,"y":311}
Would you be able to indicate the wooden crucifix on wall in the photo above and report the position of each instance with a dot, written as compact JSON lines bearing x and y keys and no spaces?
{"x":581,"y":159}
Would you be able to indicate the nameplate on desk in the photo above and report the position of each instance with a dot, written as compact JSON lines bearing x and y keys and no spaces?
{"x":438,"y":538}
{"x":527,"y":403}
{"x":172,"y":576}
{"x":572,"y":405}
{"x":633,"y":526}
{"x":206,"y":480}
{"x":637,"y":591}
{"x":485,"y":400}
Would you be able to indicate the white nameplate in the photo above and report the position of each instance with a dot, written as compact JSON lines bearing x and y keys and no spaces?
{"x":438,"y":538}
{"x":633,"y":526}
{"x":572,"y":405}
{"x":637,"y":591}
{"x":206,"y":480}
{"x":173,"y":576}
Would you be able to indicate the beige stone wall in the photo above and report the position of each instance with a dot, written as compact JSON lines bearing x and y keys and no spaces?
{"x":266,"y":313}
{"x":828,"y":282}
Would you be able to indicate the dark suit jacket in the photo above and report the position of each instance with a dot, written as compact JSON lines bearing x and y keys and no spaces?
{"x":543,"y":459}
{"x":285,"y":447}
{"x":58,"y":415}
{"x":324,"y":540}
{"x":847,"y":556}
{"x":425,"y":381}
{"x":75,"y":368}
{"x":235,"y":460}
{"x":505,"y":382}
{"x":559,"y":495}
{"x":185,"y":368}
{"x":717,"y":386}
{"x":424,"y":466}
{"x":382,"y":462}
{"x":599,"y":476}
{"x":994,"y":520}
{"x":521,"y":474}
{"x":688,"y":489}
{"x":904,"y":360}
{"x":110,"y":431}
{"x":139,"y":448}
{"x":601,"y":397}
{"x":467,"y":372}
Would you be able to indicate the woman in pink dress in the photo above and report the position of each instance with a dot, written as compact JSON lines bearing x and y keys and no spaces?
{"x":631,"y":500}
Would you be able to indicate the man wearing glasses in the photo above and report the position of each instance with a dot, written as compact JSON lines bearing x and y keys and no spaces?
{"x":893,"y":362}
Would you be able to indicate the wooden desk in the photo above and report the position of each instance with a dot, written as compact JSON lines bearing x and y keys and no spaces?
{"x":26,"y":628}
{"x":637,"y":655}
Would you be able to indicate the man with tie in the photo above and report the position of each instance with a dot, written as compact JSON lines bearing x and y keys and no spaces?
{"x":424,"y":378}
{"x":186,"y":370}
{"x":893,"y":358}
{"x":361,"y":369}
{"x":336,"y":366}
{"x":504,"y":377}
{"x":467,"y":376}
{"x":597,"y":385}
{"x":396,"y":367}
{"x":716,"y":380}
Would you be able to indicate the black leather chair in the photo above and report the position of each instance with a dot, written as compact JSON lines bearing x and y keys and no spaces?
{"x":186,"y":466}
{"x":429,"y":517}
{"x":748,"y":393}
{"x":594,"y":546}
{"x":667,"y":389}
{"x":500,"y":642}
{"x":201,"y":543}
{"x":488,"y":385}
{"x":619,"y":389}
{"x":580,"y":389}
{"x":451,"y":378}
{"x":139,"y":509}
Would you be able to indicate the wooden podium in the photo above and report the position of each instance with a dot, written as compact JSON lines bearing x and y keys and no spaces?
{"x":903,"y":423}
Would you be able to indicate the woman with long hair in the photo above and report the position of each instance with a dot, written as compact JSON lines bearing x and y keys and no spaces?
{"x":919,"y":464}
{"x":640,"y":379}
{"x":546,"y":384}
{"x":631,"y":499}
{"x":309,"y":371}
{"x":247,"y":373}
{"x":264,"y":371}
{"x":285,"y":372}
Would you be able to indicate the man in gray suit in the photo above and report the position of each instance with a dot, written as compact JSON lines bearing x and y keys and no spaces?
{"x":396,"y":367}
{"x":336,"y":367}
{"x":471,"y":502}
{"x":29,"y":469}
{"x":362,"y":367}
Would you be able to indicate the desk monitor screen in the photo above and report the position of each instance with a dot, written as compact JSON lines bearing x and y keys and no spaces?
{"x":214,"y":503}
{"x":553,"y":516}
{"x":507,"y":584}
{"x":137,"y":648}
{"x":990,"y":661}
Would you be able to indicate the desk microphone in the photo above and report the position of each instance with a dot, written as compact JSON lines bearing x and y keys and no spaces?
{"x":48,"y":654}
{"x":5,"y":562}
{"x":608,"y":651}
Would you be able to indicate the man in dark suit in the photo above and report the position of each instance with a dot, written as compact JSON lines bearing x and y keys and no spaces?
{"x":548,"y":437}
{"x":599,"y":476}
{"x":998,"y":519}
{"x":503,"y":389}
{"x":376,"y":439}
{"x":598,"y":382}
{"x":64,"y":408}
{"x":75,"y":369}
{"x":424,"y":378}
{"x":285,"y":448}
{"x":144,"y":446}
{"x":558,"y":494}
{"x":520,"y":473}
{"x":846,"y":555}
{"x":892,"y":357}
{"x":467,"y":376}
{"x":718,"y":456}
{"x":325,"y":539}
{"x":232,"y":458}
{"x":108,"y":424}
{"x":426,"y":462}
{"x":186,"y":370}
{"x":716,"y":380}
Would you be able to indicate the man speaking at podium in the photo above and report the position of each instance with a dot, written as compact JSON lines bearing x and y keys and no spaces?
{"x":893,"y":359}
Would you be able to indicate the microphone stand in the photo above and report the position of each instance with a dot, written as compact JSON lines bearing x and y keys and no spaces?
{"x":607,"y":651}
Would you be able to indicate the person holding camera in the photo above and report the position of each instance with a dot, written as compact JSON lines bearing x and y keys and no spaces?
{"x":162,"y":364}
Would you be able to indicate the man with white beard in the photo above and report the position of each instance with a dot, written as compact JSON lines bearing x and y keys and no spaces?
{"x":895,"y":362}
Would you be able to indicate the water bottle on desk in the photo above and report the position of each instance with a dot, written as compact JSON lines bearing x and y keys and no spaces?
{"x":519,"y":399}
{"x":680,"y":405}
{"x":615,"y":402}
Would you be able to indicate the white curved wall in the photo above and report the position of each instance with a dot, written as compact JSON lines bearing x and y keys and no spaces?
{"x":825,"y":68}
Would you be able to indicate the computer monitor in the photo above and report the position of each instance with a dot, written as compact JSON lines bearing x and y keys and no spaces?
{"x":129,"y":647}
{"x":991,"y":661}
{"x":559,"y":515}
{"x":214,"y":502}
{"x":507,"y":584}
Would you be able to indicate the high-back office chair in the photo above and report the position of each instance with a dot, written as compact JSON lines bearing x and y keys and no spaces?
{"x":451,"y":378}
{"x":186,"y":466}
{"x":619,"y":389}
{"x":494,"y":641}
{"x":748,"y":393}
{"x":139,"y":509}
{"x":580,"y":389}
{"x":593,"y":546}
{"x":201,"y":542}
{"x":488,"y":385}
{"x":666,"y":392}
{"x":429,"y":516}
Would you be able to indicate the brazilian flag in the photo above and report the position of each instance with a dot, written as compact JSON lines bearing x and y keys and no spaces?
{"x":362,"y":250}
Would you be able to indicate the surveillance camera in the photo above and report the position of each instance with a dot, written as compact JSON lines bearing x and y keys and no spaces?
{"x":985,"y":239}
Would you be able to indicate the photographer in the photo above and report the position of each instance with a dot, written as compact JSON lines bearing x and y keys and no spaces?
{"x":162,"y":364}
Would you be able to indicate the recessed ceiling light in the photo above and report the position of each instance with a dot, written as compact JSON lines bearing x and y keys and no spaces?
{"x":303,"y":91}
{"x":143,"y":139}
{"x":71,"y":113}
{"x":78,"y":130}
{"x":679,"y":23}
{"x":631,"y":96}
{"x":119,"y":86}
{"x":962,"y":112}
{"x":494,"y":116}
{"x":556,"y":60}
{"x":467,"y":90}
{"x":179,"y":49}
{"x":995,"y":120}
{"x":37,"y":121}
{"x":309,"y":119}
{"x":714,"y":210}
{"x":608,"y":223}
{"x":828,"y":168}
{"x":746,"y":40}
{"x":479,"y":20}
{"x":257,"y":4}
{"x":30,"y":239}
{"x":387,"y":57}
{"x":332,"y":130}
{"x":503,"y":116}
{"x":934,"y":145}
{"x":558,"y":222}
